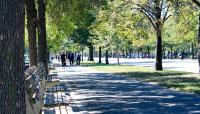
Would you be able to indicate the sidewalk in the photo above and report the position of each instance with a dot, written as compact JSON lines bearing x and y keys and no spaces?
{"x":94,"y":92}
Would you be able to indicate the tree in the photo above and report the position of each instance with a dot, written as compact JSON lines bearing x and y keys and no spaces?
{"x":106,"y":56}
{"x":198,"y":4}
{"x":12,"y":84}
{"x":31,"y":26}
{"x":157,"y":12}
{"x":99,"y":54}
{"x":42,"y":41}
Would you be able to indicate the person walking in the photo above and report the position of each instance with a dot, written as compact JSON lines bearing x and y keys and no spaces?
{"x":59,"y":58}
{"x":78,"y":59}
{"x":63,"y":61}
{"x":71,"y":59}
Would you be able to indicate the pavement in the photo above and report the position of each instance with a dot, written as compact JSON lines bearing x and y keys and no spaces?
{"x":187,"y":65}
{"x":93,"y":92}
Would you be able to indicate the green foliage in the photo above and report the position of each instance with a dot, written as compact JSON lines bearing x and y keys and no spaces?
{"x":117,"y":25}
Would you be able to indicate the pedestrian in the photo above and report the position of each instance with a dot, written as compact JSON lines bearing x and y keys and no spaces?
{"x":71,"y":59}
{"x":63,"y":61}
{"x":56,"y":57}
{"x":52,"y":57}
{"x":78,"y":59}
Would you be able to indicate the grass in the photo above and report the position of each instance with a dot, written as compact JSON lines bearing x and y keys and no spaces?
{"x":182,"y":81}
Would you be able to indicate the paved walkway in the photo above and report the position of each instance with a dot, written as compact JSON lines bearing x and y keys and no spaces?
{"x":94,"y":92}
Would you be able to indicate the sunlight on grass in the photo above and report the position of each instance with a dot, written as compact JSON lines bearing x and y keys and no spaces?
{"x":182,"y":81}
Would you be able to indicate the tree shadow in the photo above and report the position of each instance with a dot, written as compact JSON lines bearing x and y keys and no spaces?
{"x":110,"y":94}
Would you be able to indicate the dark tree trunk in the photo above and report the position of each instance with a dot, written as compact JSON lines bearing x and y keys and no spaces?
{"x":100,"y":54}
{"x":138,"y":53}
{"x":182,"y":54}
{"x":130,"y":51}
{"x":158,"y":28}
{"x":168,"y":53}
{"x":175,"y":54}
{"x":91,"y":57}
{"x":126,"y":54}
{"x":142,"y":53}
{"x":48,"y":56}
{"x":12,"y":86}
{"x":199,"y":44}
{"x":148,"y":52}
{"x":82,"y":54}
{"x":106,"y":56}
{"x":123,"y":54}
{"x":31,"y":26}
{"x":118,"y":54}
{"x":42,"y":41}
{"x":171,"y":52}
{"x":192,"y":46}
{"x":159,"y":50}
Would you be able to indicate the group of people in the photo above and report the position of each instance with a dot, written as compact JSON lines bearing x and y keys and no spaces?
{"x":71,"y":57}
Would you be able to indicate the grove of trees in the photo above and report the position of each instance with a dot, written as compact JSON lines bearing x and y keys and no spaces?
{"x":146,"y":28}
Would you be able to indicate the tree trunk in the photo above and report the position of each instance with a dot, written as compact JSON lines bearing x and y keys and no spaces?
{"x":159,"y":50}
{"x":175,"y":54}
{"x":192,"y":50}
{"x":142,"y":53}
{"x":12,"y":86}
{"x":42,"y":41}
{"x":82,"y":54}
{"x":171,"y":52}
{"x":168,"y":53}
{"x":199,"y":44}
{"x":118,"y":58}
{"x":107,"y":62}
{"x":182,"y":54}
{"x":100,"y":54}
{"x":148,"y":52}
{"x":126,"y":54}
{"x":91,"y":57}
{"x":123,"y":54}
{"x":130,"y":51}
{"x":31,"y":26}
{"x":138,"y":53}
{"x":48,"y":56}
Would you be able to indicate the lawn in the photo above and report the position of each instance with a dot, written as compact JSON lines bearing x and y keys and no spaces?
{"x":182,"y":81}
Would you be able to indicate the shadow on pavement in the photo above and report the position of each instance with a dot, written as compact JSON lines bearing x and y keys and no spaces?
{"x":108,"y":94}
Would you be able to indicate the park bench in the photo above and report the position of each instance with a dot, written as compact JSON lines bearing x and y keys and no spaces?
{"x":35,"y":88}
{"x":44,"y":98}
{"x":56,"y":99}
{"x":58,"y":110}
{"x":52,"y":78}
{"x":51,"y":66}
{"x":54,"y":89}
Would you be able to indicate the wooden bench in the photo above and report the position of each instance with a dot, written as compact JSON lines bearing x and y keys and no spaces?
{"x":56,"y":99}
{"x":52,"y":79}
{"x":35,"y":88}
{"x":56,"y":88}
{"x":51,"y":66}
{"x":58,"y":110}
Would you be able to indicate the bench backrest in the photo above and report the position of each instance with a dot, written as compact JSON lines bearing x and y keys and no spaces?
{"x":35,"y":82}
